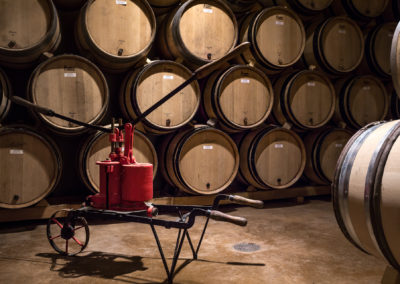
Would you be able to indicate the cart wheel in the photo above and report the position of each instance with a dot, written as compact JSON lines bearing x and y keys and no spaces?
{"x":67,"y":235}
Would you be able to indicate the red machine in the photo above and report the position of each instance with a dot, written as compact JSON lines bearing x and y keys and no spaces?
{"x":125,"y":185}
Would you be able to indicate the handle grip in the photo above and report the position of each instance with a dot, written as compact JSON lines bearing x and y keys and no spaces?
{"x":28,"y":104}
{"x":206,"y":69}
{"x":219,"y":216}
{"x":246,"y":201}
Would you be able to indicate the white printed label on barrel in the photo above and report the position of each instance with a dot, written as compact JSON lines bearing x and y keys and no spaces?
{"x":279,"y":22}
{"x":121,"y":2}
{"x":16,"y":152}
{"x":278,"y":146}
{"x":342,"y":31}
{"x":207,"y":10}
{"x":207,"y":147}
{"x":311,"y":84}
{"x":367,"y":88}
{"x":245,"y":81}
{"x":70,"y":75}
{"x":168,"y":77}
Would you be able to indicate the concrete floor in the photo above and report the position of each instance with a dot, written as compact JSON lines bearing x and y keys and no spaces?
{"x":298,"y":244}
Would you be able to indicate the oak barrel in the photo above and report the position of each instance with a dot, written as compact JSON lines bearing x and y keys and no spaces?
{"x":305,"y":7}
{"x":335,"y":46}
{"x":304,"y":99}
{"x":271,"y":157}
{"x":277,"y":38}
{"x":198,"y":32}
{"x":323,"y":148}
{"x":363,"y":10}
{"x":239,"y":98}
{"x":72,"y":86}
{"x":147,"y":85}
{"x":199,"y":160}
{"x":365,"y":191}
{"x":30,"y":165}
{"x":118,"y":34}
{"x":360,"y":100}
{"x":27,"y":29}
{"x":97,"y":148}
{"x":5,"y":92}
{"x":377,"y":48}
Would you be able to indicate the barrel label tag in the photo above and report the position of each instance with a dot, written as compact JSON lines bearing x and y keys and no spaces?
{"x":207,"y":147}
{"x":70,"y":75}
{"x":367,"y":88}
{"x":207,"y":10}
{"x":168,"y":77}
{"x":338,"y":145}
{"x":279,"y":22}
{"x":121,"y":2}
{"x":311,"y":84}
{"x":390,"y":35}
{"x":278,"y":146}
{"x":245,"y":81}
{"x":16,"y":152}
{"x":342,"y":31}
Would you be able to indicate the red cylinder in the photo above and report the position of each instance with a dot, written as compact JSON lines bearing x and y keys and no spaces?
{"x":136,"y":182}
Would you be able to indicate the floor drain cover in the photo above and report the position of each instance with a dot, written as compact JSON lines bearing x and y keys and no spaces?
{"x":246,"y":247}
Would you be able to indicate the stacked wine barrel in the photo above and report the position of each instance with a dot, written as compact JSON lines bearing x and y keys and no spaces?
{"x":276,"y":116}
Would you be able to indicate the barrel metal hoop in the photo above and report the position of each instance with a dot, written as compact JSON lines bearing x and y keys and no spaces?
{"x":375,"y":186}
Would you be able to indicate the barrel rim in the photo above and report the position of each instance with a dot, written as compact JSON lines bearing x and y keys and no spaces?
{"x":98,"y":52}
{"x":57,"y":159}
{"x":216,"y":94}
{"x":175,"y":19}
{"x":62,"y":129}
{"x":138,"y":76}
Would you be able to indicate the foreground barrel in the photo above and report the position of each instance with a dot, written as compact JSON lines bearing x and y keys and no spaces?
{"x":5,"y":92}
{"x":118,"y":34}
{"x":198,"y":32}
{"x":377,"y":48}
{"x":97,"y":148}
{"x":147,"y":85}
{"x":27,"y":29}
{"x":323,"y":148}
{"x":365,"y":191}
{"x":335,"y":46}
{"x":72,"y":86}
{"x":361,"y":100}
{"x":30,"y":166}
{"x":304,"y":99}
{"x":239,"y":98}
{"x":277,"y":38}
{"x":271,"y":157}
{"x":200,"y":160}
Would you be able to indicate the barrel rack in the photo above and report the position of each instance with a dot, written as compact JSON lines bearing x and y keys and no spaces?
{"x":46,"y":207}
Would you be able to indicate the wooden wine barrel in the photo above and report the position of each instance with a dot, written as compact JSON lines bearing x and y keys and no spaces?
{"x":199,"y":160}
{"x":306,"y":7}
{"x":72,"y":86}
{"x":69,"y":4}
{"x":363,"y":10}
{"x":395,"y":60}
{"x":277,"y":38}
{"x":97,"y":148}
{"x":147,"y":85}
{"x":365,"y":191}
{"x":377,"y":48}
{"x":323,"y":148}
{"x":5,"y":92}
{"x":271,"y":157}
{"x":30,"y":166}
{"x":360,"y":100}
{"x":118,"y":34}
{"x":239,"y":98}
{"x":27,"y":29}
{"x":335,"y":46}
{"x":198,"y":32}
{"x":305,"y":100}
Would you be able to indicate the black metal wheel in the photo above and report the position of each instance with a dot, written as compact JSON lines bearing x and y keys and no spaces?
{"x":67,"y":233}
